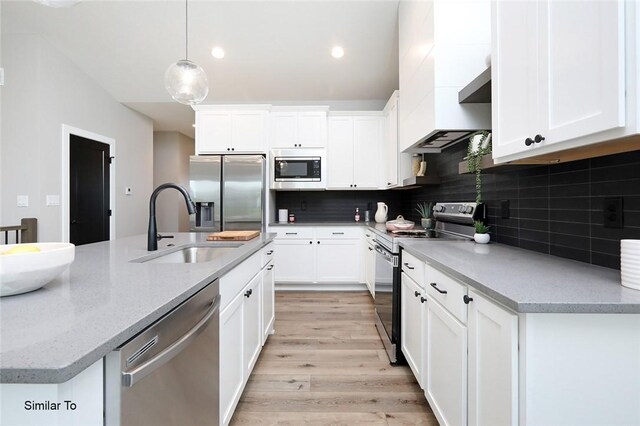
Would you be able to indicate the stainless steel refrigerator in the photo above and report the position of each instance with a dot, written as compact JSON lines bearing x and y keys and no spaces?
{"x":229,"y":192}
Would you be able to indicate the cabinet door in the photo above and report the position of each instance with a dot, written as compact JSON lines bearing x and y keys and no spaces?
{"x":252,"y":327}
{"x":284,"y":129}
{"x":312,"y":129}
{"x":446,"y":360}
{"x":249,"y":131}
{"x":514,"y":71}
{"x":231,"y":357}
{"x":213,"y":132}
{"x":367,"y":138}
{"x":390,"y":160}
{"x":337,"y":261}
{"x":582,"y":61}
{"x":493,"y":363}
{"x":268,"y":301}
{"x":370,"y":268}
{"x":340,"y":153}
{"x":411,"y":324}
{"x":295,"y":260}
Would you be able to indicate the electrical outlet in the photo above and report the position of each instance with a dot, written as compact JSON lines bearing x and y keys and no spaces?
{"x":128,"y":191}
{"x":53,"y":200}
{"x":504,"y":209}
{"x":23,"y":201}
{"x":613,"y":212}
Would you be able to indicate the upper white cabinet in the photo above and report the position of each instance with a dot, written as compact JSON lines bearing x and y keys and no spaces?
{"x":558,"y":75}
{"x":442,"y":47}
{"x":390,"y":143}
{"x":353,"y":151}
{"x":222,"y":130}
{"x":298,"y":128}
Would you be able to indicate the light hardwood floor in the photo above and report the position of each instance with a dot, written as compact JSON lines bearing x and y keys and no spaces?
{"x":326,"y":365}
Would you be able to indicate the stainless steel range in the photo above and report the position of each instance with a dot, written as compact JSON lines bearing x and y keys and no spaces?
{"x":454,"y":221}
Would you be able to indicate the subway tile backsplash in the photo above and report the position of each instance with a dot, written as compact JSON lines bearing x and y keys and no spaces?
{"x":556,"y":209}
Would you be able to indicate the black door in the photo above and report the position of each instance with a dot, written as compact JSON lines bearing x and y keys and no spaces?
{"x":88,"y":191}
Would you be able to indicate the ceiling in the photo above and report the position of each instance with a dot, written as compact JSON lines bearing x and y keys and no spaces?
{"x":276,"y":51}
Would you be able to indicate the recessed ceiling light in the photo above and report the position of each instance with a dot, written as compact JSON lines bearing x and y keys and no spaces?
{"x":217,"y":52}
{"x":337,"y":52}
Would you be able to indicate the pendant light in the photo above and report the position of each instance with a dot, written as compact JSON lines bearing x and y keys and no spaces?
{"x":185,"y":81}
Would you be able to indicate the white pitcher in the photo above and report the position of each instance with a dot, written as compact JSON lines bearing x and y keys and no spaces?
{"x":381,"y":213}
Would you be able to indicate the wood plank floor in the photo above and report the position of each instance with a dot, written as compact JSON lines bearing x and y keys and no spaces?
{"x":326,"y":365}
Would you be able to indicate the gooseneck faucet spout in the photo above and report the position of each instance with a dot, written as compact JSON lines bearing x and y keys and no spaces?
{"x":152,"y":235}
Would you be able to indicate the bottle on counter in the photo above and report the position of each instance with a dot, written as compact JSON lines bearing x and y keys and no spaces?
{"x":292,"y":218}
{"x":357,"y":215}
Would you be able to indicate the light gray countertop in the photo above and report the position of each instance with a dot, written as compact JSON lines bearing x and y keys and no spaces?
{"x":52,"y":334}
{"x":529,"y":282}
{"x":323,"y":224}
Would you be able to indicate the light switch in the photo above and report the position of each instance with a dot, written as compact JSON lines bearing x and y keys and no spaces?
{"x":23,"y":201}
{"x":128,"y":191}
{"x":53,"y":200}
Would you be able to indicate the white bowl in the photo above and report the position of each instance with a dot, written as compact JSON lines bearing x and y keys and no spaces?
{"x":23,"y":272}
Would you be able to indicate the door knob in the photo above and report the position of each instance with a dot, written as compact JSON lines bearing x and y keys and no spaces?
{"x":538,"y":138}
{"x":466,"y":299}
{"x":528,"y":141}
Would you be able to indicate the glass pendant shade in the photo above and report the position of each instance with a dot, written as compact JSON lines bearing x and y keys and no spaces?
{"x":186,"y":82}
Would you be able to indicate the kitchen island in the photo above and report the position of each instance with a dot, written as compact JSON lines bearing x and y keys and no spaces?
{"x":55,"y":334}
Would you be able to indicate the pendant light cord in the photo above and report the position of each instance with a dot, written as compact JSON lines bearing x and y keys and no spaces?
{"x":186,"y":29}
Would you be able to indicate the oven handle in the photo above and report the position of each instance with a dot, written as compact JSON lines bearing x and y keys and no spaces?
{"x":387,"y":256}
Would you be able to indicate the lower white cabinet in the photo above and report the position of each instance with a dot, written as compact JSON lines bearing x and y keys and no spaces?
{"x":370,"y":268}
{"x":446,"y":365}
{"x":242,"y":326}
{"x":493,"y":363}
{"x":319,"y":255}
{"x":268,"y":301}
{"x":411,"y":323}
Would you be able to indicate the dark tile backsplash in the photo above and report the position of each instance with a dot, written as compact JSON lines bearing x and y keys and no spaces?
{"x":556,"y":209}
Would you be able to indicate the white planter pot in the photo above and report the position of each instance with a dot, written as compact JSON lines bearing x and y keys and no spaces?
{"x":481,"y":238}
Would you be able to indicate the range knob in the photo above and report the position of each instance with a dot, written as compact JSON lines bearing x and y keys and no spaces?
{"x":468,"y":210}
{"x":440,"y":209}
{"x":460,"y":209}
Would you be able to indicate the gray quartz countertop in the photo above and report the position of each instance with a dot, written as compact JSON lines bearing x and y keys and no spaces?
{"x":529,"y":282}
{"x":322,"y":224}
{"x":52,"y":334}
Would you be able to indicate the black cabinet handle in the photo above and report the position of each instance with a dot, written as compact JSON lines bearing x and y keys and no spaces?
{"x":247,"y":294}
{"x":337,"y":233}
{"x":370,"y":249}
{"x":367,"y":235}
{"x":310,"y":242}
{"x":355,"y":186}
{"x":466,"y":299}
{"x":434,"y":285}
{"x":270,"y":252}
{"x":388,"y":183}
{"x":233,"y":149}
{"x":528,"y":141}
{"x":351,"y":186}
{"x":228,"y":149}
{"x":416,"y":293}
{"x":318,"y":242}
{"x":409,"y":266}
{"x":538,"y":138}
{"x":422,"y":300}
{"x":291,"y":233}
{"x":270,"y":267}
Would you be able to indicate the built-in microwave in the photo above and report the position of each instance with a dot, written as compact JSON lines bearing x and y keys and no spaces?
{"x":298,"y":169}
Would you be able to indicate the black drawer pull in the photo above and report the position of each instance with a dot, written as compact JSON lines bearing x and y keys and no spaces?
{"x":466,"y":299}
{"x":270,"y":267}
{"x":270,"y":252}
{"x":434,"y":285}
{"x":416,"y":293}
{"x":409,"y":266}
{"x":338,"y":233}
{"x":290,"y":233}
{"x":370,"y":249}
{"x":422,"y":300}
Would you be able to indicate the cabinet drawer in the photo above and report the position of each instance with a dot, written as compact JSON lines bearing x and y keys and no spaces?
{"x":325,"y":232}
{"x":294,"y":233}
{"x":370,"y":236}
{"x":268,"y":253}
{"x":413,"y":267}
{"x":447,"y":291}
{"x":233,"y":282}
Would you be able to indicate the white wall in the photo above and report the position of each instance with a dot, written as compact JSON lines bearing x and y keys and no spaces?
{"x":171,"y":151}
{"x":43,"y":90}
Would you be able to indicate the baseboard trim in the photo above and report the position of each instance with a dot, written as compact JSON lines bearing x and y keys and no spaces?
{"x":321,"y":287}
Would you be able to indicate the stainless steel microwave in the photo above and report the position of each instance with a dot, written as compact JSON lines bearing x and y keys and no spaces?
{"x":298,"y":169}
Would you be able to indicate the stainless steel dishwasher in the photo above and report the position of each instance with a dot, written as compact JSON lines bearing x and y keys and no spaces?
{"x":168,"y":374}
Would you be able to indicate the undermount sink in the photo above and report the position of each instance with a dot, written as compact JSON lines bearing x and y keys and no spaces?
{"x":192,"y":254}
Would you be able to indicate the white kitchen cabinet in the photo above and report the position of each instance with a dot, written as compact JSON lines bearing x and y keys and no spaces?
{"x":558,"y":75}
{"x":295,"y":260}
{"x":370,"y":268}
{"x":353,"y":151}
{"x":390,"y":143}
{"x":412,"y":298}
{"x":442,"y":47}
{"x":493,"y":363}
{"x":446,"y":365}
{"x":231,"y":131}
{"x":298,"y":129}
{"x":232,"y":371}
{"x":268,"y":301}
{"x":337,"y":261}
{"x":252,"y":323}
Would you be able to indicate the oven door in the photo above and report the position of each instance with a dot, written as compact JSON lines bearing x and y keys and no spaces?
{"x":387,"y":298}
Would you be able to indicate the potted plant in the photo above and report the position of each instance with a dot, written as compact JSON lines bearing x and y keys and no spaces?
{"x":479,"y":145}
{"x":426,"y":215}
{"x":482,"y":235}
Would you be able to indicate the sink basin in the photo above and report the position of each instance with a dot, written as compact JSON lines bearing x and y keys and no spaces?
{"x":193,"y":254}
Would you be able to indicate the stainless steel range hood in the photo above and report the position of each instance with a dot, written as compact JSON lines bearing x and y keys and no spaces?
{"x":437,"y":140}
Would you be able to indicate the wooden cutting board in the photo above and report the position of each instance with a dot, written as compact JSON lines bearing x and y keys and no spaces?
{"x":233,"y":235}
